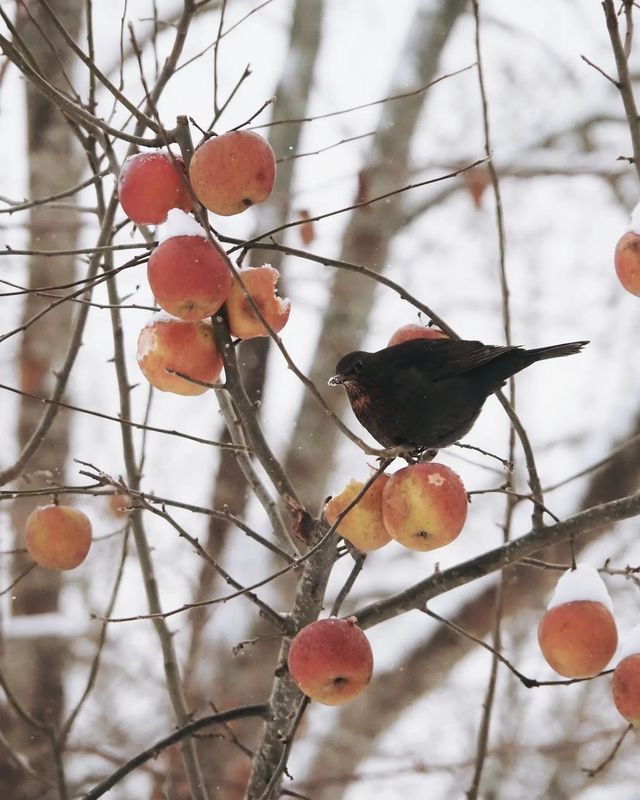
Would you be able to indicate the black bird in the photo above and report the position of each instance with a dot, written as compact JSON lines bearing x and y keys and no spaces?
{"x":427,"y":393}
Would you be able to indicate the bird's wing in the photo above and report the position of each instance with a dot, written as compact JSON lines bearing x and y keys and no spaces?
{"x":438,"y":359}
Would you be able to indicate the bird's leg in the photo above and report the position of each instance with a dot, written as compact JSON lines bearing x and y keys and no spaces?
{"x":412,"y":455}
{"x":399,"y":451}
{"x":427,"y":455}
{"x":420,"y":454}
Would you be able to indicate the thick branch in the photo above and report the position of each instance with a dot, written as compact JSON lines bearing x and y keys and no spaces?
{"x":505,"y":556}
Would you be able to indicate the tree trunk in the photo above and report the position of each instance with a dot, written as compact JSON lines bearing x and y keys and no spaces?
{"x":33,"y":666}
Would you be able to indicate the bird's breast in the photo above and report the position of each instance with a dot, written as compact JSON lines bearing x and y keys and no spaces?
{"x":357,"y":397}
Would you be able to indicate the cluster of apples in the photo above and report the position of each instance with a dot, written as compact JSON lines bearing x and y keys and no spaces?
{"x":578,"y":637}
{"x":57,"y":536}
{"x":422,"y":506}
{"x":189,"y":273}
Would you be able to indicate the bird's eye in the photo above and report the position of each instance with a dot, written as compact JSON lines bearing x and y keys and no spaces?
{"x":357,"y":366}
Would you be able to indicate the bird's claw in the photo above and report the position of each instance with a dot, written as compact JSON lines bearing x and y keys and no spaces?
{"x":410,"y":454}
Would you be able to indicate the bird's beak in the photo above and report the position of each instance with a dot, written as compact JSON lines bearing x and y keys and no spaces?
{"x":336,"y":380}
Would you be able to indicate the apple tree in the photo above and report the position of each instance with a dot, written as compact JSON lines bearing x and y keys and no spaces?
{"x":215,"y":583}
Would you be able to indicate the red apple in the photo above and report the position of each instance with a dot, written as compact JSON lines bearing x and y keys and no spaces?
{"x":363,"y":525}
{"x":627,"y":261}
{"x":331,"y":660}
{"x":58,"y":537}
{"x":626,"y":688}
{"x":186,"y":347}
{"x":189,"y":277}
{"x":424,"y":506}
{"x":578,"y":638}
{"x":150,"y":184}
{"x":414,"y":331}
{"x":232,"y":172}
{"x":260,"y":283}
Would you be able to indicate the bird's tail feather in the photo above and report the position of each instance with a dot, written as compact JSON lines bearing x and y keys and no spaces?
{"x":556,"y":350}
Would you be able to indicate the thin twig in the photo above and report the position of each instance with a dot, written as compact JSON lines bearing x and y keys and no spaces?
{"x":624,"y":80}
{"x":358,"y":564}
{"x":244,"y":712}
{"x":593,"y":771}
{"x":137,"y":425}
{"x":318,"y":546}
{"x":529,"y":683}
{"x":383,"y":100}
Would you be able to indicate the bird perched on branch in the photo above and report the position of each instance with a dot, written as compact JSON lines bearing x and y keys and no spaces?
{"x":425,"y":394}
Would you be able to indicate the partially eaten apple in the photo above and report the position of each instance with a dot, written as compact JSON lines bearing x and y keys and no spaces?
{"x":260,"y":284}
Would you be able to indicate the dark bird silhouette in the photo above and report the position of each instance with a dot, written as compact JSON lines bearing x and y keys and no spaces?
{"x":427,"y":393}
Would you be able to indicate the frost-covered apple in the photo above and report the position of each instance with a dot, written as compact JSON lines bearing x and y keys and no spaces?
{"x":414,"y":331}
{"x":424,"y":506}
{"x":260,"y":283}
{"x":167,"y":343}
{"x":331,"y":660}
{"x":150,"y":184}
{"x":231,"y":172}
{"x":363,"y":525}
{"x":189,"y":277}
{"x":578,"y":634}
{"x":58,"y":537}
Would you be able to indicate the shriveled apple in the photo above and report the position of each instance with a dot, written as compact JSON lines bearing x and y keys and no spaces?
{"x":150,"y":184}
{"x":331,"y":660}
{"x":58,"y":537}
{"x":260,"y":283}
{"x":424,"y":506}
{"x":185,"y":347}
{"x":363,"y":525}
{"x":232,"y":172}
{"x":189,"y":277}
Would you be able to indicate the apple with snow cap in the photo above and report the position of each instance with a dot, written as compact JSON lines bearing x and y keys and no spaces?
{"x":167,"y":343}
{"x":188,"y":275}
{"x":424,"y":506}
{"x":626,"y":678}
{"x":627,"y":255}
{"x":578,"y":634}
